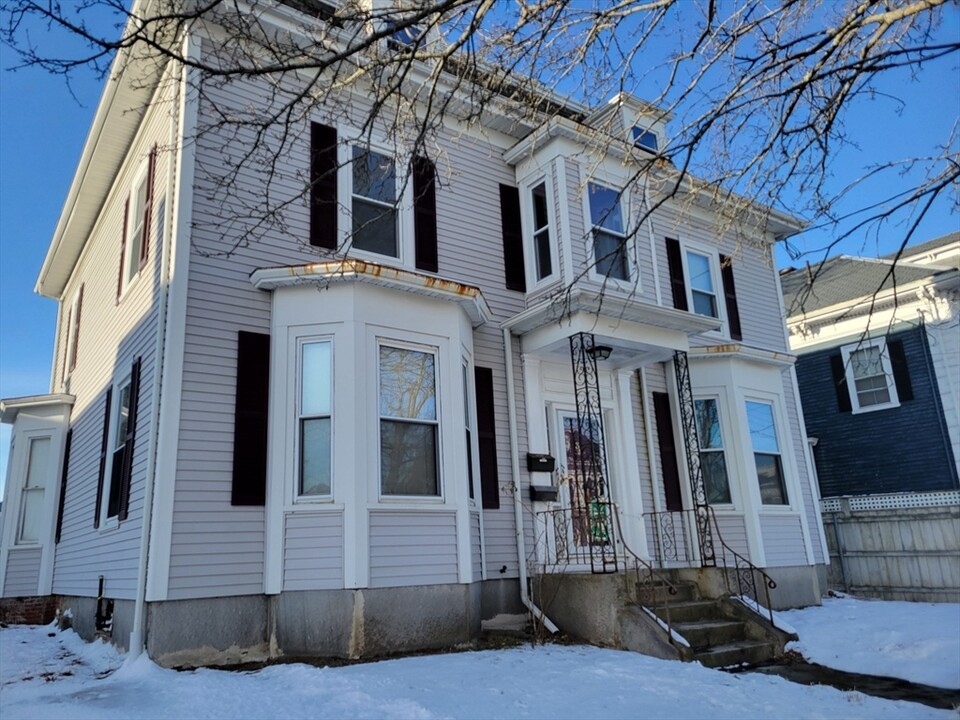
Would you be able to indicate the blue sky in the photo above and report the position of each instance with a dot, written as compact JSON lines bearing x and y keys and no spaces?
{"x":43,"y":124}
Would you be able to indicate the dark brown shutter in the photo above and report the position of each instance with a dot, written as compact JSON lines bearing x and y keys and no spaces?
{"x":677,"y":284}
{"x":66,"y":346}
{"x":323,"y":186}
{"x":730,"y":295}
{"x":63,"y":483}
{"x":129,"y":440}
{"x":250,"y":419}
{"x":901,"y":373}
{"x":123,"y":247}
{"x":76,"y":334}
{"x":104,"y":449}
{"x":516,"y":276}
{"x":487,"y":439}
{"x":840,"y":383}
{"x":425,"y":214}
{"x":668,"y":452}
{"x":148,"y":208}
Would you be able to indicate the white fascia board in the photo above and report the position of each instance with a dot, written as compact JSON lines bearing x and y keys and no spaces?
{"x":743,"y":352}
{"x":339,"y":271}
{"x":10,"y":407}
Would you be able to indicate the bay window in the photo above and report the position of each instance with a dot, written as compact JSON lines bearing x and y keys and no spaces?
{"x":314,"y":419}
{"x":542,"y":250}
{"x":609,"y":232}
{"x":766,"y":453}
{"x":34,"y":490}
{"x":712,"y":458}
{"x":409,"y":429}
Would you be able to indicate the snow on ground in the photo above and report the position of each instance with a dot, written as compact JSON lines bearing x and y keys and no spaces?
{"x":919,"y":642}
{"x":62,"y":677}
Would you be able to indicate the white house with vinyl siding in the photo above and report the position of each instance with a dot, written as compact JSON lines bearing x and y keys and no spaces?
{"x":322,"y":442}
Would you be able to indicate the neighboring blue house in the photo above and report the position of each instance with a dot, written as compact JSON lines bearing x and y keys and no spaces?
{"x":878,"y":366}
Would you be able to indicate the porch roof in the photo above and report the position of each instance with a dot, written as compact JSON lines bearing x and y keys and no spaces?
{"x":10,"y":407}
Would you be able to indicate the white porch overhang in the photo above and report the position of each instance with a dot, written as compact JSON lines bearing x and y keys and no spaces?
{"x":639,"y":333}
{"x":349,"y":270}
{"x":11,"y":407}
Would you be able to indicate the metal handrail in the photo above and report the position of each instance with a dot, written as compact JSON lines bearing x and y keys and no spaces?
{"x":744,"y":570}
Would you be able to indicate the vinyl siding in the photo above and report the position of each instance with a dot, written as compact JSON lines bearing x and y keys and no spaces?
{"x":809,"y":497}
{"x":734,"y":534}
{"x":412,"y":548}
{"x":476,"y":552}
{"x":112,"y":334}
{"x":313,"y":551}
{"x":22,"y":577}
{"x":782,"y":540}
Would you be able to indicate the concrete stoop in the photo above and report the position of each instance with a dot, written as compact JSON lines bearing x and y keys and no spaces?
{"x":606,"y":610}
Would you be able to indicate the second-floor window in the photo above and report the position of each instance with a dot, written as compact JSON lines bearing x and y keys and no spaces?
{"x":703,"y":294}
{"x":609,"y":234}
{"x":374,"y":205}
{"x":542,"y":246}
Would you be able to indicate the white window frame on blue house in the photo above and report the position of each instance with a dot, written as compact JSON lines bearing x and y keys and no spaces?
{"x":850,"y":353}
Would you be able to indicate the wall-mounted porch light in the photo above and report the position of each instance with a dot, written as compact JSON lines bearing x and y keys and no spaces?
{"x":600,"y":352}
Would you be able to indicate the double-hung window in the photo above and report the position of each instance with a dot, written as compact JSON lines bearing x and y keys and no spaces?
{"x":314,"y":418}
{"x":870,"y":376}
{"x":703,"y":292}
{"x":609,"y":233}
{"x":468,"y":428}
{"x":542,"y":246}
{"x":409,"y":429}
{"x":34,"y":490}
{"x":766,"y":453}
{"x":118,"y":448}
{"x":374,"y":203}
{"x":712,"y":460}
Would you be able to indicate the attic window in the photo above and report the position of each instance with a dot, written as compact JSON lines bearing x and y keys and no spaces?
{"x":643,"y":138}
{"x":406,"y":37}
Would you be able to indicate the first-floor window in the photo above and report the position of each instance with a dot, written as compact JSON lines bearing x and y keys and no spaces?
{"x":408,"y":422}
{"x":468,"y":426}
{"x":119,"y":446}
{"x":314,"y":418}
{"x":34,"y":489}
{"x":712,"y":460}
{"x":766,"y":453}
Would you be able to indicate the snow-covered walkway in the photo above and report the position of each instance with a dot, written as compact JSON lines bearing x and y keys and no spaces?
{"x":60,"y":676}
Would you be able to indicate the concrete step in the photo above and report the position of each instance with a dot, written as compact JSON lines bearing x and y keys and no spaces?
{"x":504,"y":625}
{"x":692,"y":611}
{"x":710,"y":633}
{"x":686,"y":591}
{"x":745,"y":652}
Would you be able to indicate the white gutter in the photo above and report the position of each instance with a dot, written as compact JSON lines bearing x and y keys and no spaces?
{"x":515,"y":471}
{"x":138,"y":633}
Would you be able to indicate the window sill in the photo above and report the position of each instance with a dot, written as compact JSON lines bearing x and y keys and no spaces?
{"x":109,"y":525}
{"x":874,"y":408}
{"x":130,"y":285}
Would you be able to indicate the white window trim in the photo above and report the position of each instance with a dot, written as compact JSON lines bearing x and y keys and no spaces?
{"x":725,"y":449}
{"x":470,"y":416}
{"x":632,"y":282}
{"x":644,"y":129}
{"x":349,"y":138}
{"x":716,"y":276}
{"x":299,"y":342}
{"x":131,"y":250}
{"x":29,"y":439}
{"x":794,"y":500}
{"x":527,"y":220}
{"x":847,"y":352}
{"x":440,"y":497}
{"x":109,"y":523}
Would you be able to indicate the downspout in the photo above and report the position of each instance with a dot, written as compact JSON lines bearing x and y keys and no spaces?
{"x":138,"y":633}
{"x":515,"y":471}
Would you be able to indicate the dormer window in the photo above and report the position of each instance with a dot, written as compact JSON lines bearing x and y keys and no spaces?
{"x":644,"y":138}
{"x":406,"y":37}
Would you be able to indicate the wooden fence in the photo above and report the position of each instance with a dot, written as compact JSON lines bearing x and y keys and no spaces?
{"x":902,"y":546}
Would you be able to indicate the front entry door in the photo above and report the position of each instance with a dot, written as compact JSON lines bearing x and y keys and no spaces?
{"x":587,"y":487}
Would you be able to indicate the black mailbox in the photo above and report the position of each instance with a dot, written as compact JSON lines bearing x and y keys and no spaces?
{"x":543,"y":493}
{"x":540,"y":462}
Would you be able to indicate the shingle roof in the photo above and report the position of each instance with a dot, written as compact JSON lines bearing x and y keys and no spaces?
{"x":927,"y":246}
{"x":844,"y":279}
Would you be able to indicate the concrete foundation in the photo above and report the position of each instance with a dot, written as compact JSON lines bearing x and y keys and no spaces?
{"x":797,"y":586}
{"x":361,"y":623}
{"x":83,"y":619}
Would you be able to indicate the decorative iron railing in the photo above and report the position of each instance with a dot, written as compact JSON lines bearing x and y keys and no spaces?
{"x":673,"y":544}
{"x":599,"y":543}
